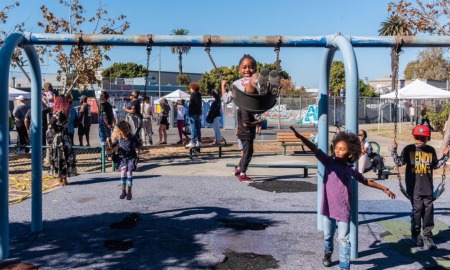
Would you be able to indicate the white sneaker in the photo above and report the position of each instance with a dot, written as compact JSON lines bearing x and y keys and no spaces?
{"x":190,"y":145}
{"x":198,"y":144}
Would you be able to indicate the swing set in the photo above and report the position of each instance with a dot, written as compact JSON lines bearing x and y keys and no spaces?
{"x":254,"y":103}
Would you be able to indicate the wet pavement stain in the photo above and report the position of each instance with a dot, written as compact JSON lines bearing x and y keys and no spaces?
{"x":242,"y":224}
{"x":119,"y":245}
{"x":235,"y":260}
{"x":128,"y":222}
{"x":284,"y":186}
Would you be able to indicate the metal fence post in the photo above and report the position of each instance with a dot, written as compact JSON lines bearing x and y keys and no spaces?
{"x":103,"y":158}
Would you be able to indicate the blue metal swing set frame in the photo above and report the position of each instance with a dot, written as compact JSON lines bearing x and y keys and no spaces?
{"x":331,"y":43}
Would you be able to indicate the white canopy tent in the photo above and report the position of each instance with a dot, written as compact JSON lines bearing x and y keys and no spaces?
{"x":175,"y":95}
{"x":418,"y":90}
{"x":13,"y":93}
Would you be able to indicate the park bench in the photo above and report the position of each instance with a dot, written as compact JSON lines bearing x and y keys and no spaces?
{"x":305,"y":167}
{"x":288,"y":139}
{"x":206,"y":143}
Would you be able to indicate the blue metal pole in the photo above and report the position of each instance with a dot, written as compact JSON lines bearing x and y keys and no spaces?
{"x":351,"y":124}
{"x":6,"y":52}
{"x":232,"y":41}
{"x":323,"y":124}
{"x":36,"y":139}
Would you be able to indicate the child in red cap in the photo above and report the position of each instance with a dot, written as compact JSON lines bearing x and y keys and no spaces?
{"x":420,"y":160}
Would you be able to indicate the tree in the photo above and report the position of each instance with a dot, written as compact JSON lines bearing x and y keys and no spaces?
{"x":395,"y":25}
{"x":431,"y":63}
{"x":421,"y":16}
{"x":337,"y":76}
{"x":180,"y":49}
{"x":82,"y":61}
{"x":124,"y":70}
{"x":337,"y":80}
{"x":17,"y":58}
{"x":183,"y":79}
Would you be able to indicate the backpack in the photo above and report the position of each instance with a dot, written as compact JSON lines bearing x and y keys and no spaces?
{"x":12,"y":124}
{"x":377,"y":161}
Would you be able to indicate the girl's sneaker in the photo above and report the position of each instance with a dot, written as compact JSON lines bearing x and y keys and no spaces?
{"x":274,"y":81}
{"x":243,"y":178}
{"x":262,"y":84}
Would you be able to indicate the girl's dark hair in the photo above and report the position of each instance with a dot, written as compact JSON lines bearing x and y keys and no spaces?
{"x":249,"y":57}
{"x":353,"y":144}
{"x":365,"y":133}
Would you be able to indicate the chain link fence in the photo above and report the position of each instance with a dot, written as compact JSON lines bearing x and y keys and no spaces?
{"x":88,"y":159}
{"x":371,"y":110}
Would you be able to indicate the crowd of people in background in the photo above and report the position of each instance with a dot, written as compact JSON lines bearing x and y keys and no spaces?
{"x":61,"y":120}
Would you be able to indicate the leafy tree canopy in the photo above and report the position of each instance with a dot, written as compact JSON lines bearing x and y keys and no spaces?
{"x":124,"y":70}
{"x":79,"y":61}
{"x":337,"y":80}
{"x":423,"y":16}
{"x":431,"y":63}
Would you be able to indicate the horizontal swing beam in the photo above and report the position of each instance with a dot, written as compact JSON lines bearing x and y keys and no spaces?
{"x":232,"y":41}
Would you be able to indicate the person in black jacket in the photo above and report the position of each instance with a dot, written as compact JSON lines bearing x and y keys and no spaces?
{"x":214,"y":113}
{"x":106,"y":118}
{"x":195,"y":112}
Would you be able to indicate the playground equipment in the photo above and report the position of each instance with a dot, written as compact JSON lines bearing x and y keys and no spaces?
{"x":331,"y":43}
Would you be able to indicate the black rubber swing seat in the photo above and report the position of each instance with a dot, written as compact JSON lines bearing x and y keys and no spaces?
{"x":254,"y":103}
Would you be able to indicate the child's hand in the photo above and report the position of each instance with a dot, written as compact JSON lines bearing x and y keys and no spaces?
{"x":223,"y":83}
{"x":390,"y":193}
{"x":446,"y":150}
{"x":394,"y":144}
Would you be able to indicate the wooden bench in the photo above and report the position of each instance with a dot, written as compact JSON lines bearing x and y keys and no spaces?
{"x":206,"y":143}
{"x":289,"y":139}
{"x":305,"y":167}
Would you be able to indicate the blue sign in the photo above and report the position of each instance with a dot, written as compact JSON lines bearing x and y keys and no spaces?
{"x":311,"y":116}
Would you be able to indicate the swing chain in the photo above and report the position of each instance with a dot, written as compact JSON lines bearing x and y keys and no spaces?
{"x":277,"y":51}
{"x":208,"y":51}
{"x":397,"y":48}
{"x":149,"y":51}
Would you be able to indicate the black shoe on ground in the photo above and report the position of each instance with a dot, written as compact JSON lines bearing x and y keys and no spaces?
{"x":326,"y":259}
{"x":417,"y":239}
{"x":429,"y":243}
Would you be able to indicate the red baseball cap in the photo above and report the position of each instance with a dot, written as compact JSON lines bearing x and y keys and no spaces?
{"x":421,"y":130}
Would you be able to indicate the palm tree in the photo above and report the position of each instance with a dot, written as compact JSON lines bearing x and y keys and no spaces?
{"x":180,"y":49}
{"x":395,"y":26}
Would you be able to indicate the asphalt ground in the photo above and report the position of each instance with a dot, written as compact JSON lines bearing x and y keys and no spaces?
{"x":191,"y":214}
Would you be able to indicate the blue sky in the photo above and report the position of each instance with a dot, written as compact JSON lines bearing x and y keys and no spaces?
{"x":238,"y":18}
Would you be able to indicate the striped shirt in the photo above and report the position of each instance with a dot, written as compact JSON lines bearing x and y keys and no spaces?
{"x":337,"y":193}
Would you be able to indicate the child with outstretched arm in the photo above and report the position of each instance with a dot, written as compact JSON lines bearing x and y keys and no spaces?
{"x":337,"y":193}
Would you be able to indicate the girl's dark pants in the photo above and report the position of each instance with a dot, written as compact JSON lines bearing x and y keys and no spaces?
{"x":247,"y":148}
